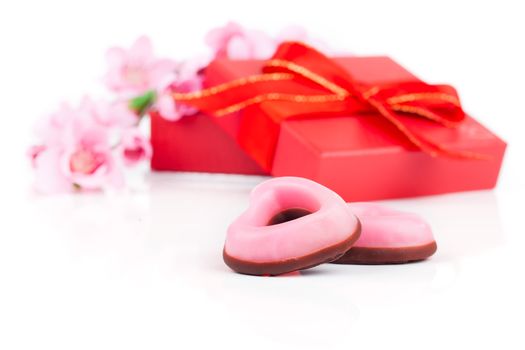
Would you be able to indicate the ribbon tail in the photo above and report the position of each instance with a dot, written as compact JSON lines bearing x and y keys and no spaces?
{"x":425,"y":113}
{"x":425,"y":145}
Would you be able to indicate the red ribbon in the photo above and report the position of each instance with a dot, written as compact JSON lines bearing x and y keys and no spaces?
{"x":300,"y":82}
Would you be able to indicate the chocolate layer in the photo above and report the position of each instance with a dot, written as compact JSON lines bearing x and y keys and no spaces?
{"x":324,"y":255}
{"x":377,"y":256}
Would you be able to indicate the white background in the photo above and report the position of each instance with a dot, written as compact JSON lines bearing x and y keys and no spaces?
{"x":143,"y":269}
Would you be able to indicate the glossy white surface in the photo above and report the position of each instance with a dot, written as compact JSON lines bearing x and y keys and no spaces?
{"x":143,"y":269}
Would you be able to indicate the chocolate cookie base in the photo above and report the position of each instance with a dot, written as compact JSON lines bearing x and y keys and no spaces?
{"x":378,"y":256}
{"x":301,"y":263}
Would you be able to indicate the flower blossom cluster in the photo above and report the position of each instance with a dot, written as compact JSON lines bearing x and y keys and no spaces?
{"x":89,"y":146}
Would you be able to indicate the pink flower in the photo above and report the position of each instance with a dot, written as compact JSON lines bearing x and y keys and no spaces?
{"x":92,"y":167}
{"x":136,"y":70}
{"x":102,"y":114}
{"x":85,"y":166}
{"x":233,"y":41}
{"x":50,"y":129}
{"x":134,"y":147}
{"x":33,"y":152}
{"x":188,"y":79}
{"x":75,"y":152}
{"x":110,"y":115}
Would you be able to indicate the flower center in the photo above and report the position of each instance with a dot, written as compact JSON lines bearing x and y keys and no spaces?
{"x":85,"y":162}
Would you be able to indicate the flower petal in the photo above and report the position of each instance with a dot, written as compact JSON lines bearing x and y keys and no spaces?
{"x":48,"y":176}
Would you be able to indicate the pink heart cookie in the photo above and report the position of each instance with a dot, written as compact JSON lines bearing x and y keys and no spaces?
{"x":389,"y":237}
{"x":291,"y":224}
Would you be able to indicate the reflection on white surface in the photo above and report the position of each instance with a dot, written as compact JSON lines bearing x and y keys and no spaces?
{"x":151,"y":259}
{"x":464,"y":223}
{"x":183,"y":217}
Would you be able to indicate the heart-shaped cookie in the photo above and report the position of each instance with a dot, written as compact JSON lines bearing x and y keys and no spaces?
{"x":291,"y":224}
{"x":388,"y":237}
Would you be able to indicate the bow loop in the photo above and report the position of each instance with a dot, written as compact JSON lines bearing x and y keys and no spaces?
{"x":311,"y":64}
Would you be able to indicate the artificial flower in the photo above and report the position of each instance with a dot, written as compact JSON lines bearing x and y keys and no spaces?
{"x":136,"y":70}
{"x":234,"y":42}
{"x":75,"y":151}
{"x":188,"y":79}
{"x":109,"y":114}
{"x":86,"y":147}
{"x":134,"y":147}
{"x":33,"y":152}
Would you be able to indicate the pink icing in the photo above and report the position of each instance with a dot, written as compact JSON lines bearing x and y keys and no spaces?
{"x":382,"y":227}
{"x":331,"y":222}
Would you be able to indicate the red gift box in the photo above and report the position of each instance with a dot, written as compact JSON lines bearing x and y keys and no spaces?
{"x":358,"y":155}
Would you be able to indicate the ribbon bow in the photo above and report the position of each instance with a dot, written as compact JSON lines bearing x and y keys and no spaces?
{"x":301,"y":82}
